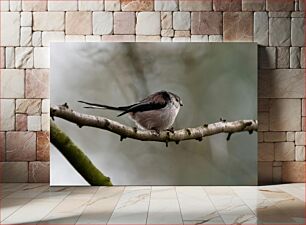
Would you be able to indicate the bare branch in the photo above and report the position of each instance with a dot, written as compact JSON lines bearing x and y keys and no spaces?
{"x":176,"y":136}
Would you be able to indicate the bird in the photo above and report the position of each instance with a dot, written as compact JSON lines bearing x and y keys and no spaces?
{"x":156,"y":112}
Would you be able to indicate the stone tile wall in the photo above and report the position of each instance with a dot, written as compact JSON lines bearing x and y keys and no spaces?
{"x":28,"y":26}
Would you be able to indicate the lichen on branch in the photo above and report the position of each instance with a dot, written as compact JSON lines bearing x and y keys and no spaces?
{"x":77,"y":158}
{"x":196,"y":133}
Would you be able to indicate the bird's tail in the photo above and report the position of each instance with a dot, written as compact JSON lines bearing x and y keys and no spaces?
{"x":100,"y":106}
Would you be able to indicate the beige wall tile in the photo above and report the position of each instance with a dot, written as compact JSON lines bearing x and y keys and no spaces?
{"x":34,"y":5}
{"x":181,"y":39}
{"x":279,"y":32}
{"x":119,"y":38}
{"x":253,"y":5}
{"x":2,"y":57}
{"x":91,"y":5}
{"x":283,"y":57}
{"x":45,"y":122}
{"x":285,"y":115}
{"x":293,"y":172}
{"x":275,"y":136}
{"x":37,"y":83}
{"x":43,"y":146}
{"x":112,"y":5}
{"x":206,"y":23}
{"x":10,"y":28}
{"x":78,"y":23}
{"x":45,"y":108}
{"x":166,"y":20}
{"x":15,"y":5}
{"x":26,"y":19}
{"x":37,"y":39}
{"x":137,"y":5}
{"x":48,"y":21}
{"x":263,"y":105}
{"x":21,"y":122}
{"x":39,"y":172}
{"x":52,"y":36}
{"x":145,"y":28}
{"x":10,"y":57}
{"x":265,"y":152}
{"x":55,"y":5}
{"x":300,"y":138}
{"x":284,"y":151}
{"x":290,"y":136}
{"x":25,"y":36}
{"x":169,"y":5}
{"x":203,"y":5}
{"x":181,"y":20}
{"x":229,"y":5}
{"x":12,"y":83}
{"x":280,"y":5}
{"x":147,"y":38}
{"x":300,"y":153}
{"x":92,"y":38}
{"x":75,"y":38}
{"x":215,"y":38}
{"x":199,"y":38}
{"x":261,"y":28}
{"x":20,"y":146}
{"x":281,"y":83}
{"x":124,"y":22}
{"x":7,"y":114}
{"x":102,"y":22}
{"x":264,"y":173}
{"x":34,"y":123}
{"x":238,"y":26}
{"x":263,"y":121}
{"x":277,"y":174}
{"x":14,"y":171}
{"x":5,"y":5}
{"x":28,"y":106}
{"x":24,"y":57}
{"x":41,"y":57}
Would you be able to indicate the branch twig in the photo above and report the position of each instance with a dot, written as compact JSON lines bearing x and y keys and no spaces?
{"x":77,"y":158}
{"x":124,"y":131}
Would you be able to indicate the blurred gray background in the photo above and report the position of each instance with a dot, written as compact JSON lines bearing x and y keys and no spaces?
{"x":213,"y":79}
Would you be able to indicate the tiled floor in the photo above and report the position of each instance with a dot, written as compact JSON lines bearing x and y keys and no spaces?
{"x":40,"y":204}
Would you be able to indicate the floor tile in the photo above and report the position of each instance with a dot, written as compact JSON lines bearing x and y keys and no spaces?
{"x":9,"y":206}
{"x":100,"y":208}
{"x":29,"y":191}
{"x":69,"y":210}
{"x":195,"y":204}
{"x":132,"y":207}
{"x":33,"y":211}
{"x":273,"y":204}
{"x":164,"y":206}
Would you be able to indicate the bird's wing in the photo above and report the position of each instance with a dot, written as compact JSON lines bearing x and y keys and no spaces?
{"x":153,"y":102}
{"x":141,"y":107}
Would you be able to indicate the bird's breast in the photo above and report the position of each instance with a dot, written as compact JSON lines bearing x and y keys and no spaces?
{"x":160,"y":119}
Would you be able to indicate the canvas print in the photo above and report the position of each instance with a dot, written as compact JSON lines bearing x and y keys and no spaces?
{"x":153,"y":114}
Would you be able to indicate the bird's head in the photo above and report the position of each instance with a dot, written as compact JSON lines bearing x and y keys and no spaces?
{"x":176,"y":99}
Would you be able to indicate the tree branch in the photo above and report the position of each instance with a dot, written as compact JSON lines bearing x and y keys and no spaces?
{"x":124,"y":131}
{"x":77,"y":158}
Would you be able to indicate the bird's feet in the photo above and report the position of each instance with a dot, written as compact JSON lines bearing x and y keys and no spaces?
{"x":156,"y":131}
{"x":135,"y":129}
{"x":171,"y":129}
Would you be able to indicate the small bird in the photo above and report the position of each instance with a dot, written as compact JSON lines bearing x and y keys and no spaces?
{"x":156,"y":112}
